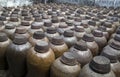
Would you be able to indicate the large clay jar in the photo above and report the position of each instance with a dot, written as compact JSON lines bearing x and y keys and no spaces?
{"x":55,"y":22}
{"x":28,"y":18}
{"x":69,"y":38}
{"x":9,"y":30}
{"x":104,"y":31}
{"x":16,"y":56}
{"x":91,"y":44}
{"x":79,"y":32}
{"x":51,"y":32}
{"x":21,"y":31}
{"x":99,"y":39}
{"x":116,"y":38}
{"x":58,"y":46}
{"x":115,"y":64}
{"x":14,"y":20}
{"x":47,"y":25}
{"x":39,"y":60}
{"x":98,"y":67}
{"x":3,"y":19}
{"x":92,"y":25}
{"x":86,"y":27}
{"x":37,"y":37}
{"x":4,"y":42}
{"x":81,"y":52}
{"x":26,"y":24}
{"x":65,"y":66}
{"x":116,"y":33}
{"x":34,"y":27}
{"x":1,"y":26}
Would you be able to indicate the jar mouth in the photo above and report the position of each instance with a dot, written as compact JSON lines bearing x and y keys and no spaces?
{"x":3,"y":37}
{"x":57,"y":40}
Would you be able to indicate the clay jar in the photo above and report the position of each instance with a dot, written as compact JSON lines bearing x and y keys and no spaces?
{"x":58,"y":46}
{"x":34,"y":27}
{"x":3,"y":19}
{"x":29,"y":19}
{"x":79,"y":32}
{"x":99,"y":39}
{"x":16,"y":56}
{"x":47,"y":25}
{"x":25,"y":24}
{"x":65,"y":66}
{"x":37,"y":37}
{"x":14,"y":20}
{"x":69,"y":38}
{"x":55,"y":22}
{"x":98,"y":67}
{"x":116,"y":38}
{"x":116,"y":33}
{"x":81,"y":52}
{"x":4,"y":42}
{"x":1,"y":26}
{"x":39,"y":60}
{"x":87,"y":29}
{"x":92,"y":25}
{"x":115,"y":64}
{"x":51,"y":32}
{"x":91,"y":44}
{"x":9,"y":30}
{"x":104,"y":31}
{"x":21,"y":31}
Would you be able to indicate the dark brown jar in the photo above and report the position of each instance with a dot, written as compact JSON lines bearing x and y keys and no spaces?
{"x":26,"y":24}
{"x":39,"y":60}
{"x":62,"y":27}
{"x":37,"y":37}
{"x":34,"y":27}
{"x":1,"y":26}
{"x":79,"y":32}
{"x":99,"y":39}
{"x":51,"y":32}
{"x":4,"y":42}
{"x":15,"y":21}
{"x":81,"y":52}
{"x":115,"y":64}
{"x":20,"y":30}
{"x":47,"y":25}
{"x":104,"y":31}
{"x":16,"y":56}
{"x":29,"y":19}
{"x":65,"y":66}
{"x":91,"y":44}
{"x":98,"y":67}
{"x":9,"y":30}
{"x":58,"y":46}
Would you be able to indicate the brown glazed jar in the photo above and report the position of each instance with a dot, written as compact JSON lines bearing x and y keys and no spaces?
{"x":81,"y":52}
{"x":16,"y":56}
{"x":39,"y":60}
{"x":51,"y":32}
{"x":37,"y":37}
{"x":65,"y":66}
{"x":115,"y":64}
{"x":26,"y":24}
{"x":9,"y":30}
{"x":79,"y":32}
{"x":104,"y":31}
{"x":29,"y":19}
{"x":69,"y":38}
{"x":99,"y":39}
{"x":91,"y":44}
{"x":20,"y":30}
{"x":34,"y":27}
{"x":58,"y":46}
{"x":98,"y":67}
{"x":4,"y":42}
{"x":1,"y":26}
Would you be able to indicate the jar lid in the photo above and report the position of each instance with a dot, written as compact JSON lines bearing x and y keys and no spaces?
{"x":36,"y":15}
{"x":62,"y":25}
{"x":102,"y":28}
{"x":68,"y":59}
{"x":108,"y":24}
{"x":38,"y":19}
{"x":97,"y":33}
{"x":69,"y":23}
{"x":3,"y":37}
{"x":25,"y":23}
{"x":85,"y":25}
{"x":79,"y":29}
{"x":78,"y":19}
{"x":2,"y":18}
{"x":9,"y":26}
{"x":48,"y":24}
{"x":41,"y":47}
{"x":115,"y":45}
{"x":35,"y":26}
{"x":110,"y":55}
{"x":100,"y":64}
{"x":68,"y":33}
{"x":51,"y":30}
{"x":81,"y":45}
{"x":57,"y":40}
{"x":20,"y":39}
{"x":88,"y":37}
{"x":117,"y":38}
{"x":14,"y":19}
{"x":28,"y":18}
{"x":93,"y":23}
{"x":20,"y":30}
{"x":38,"y":35}
{"x":55,"y":20}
